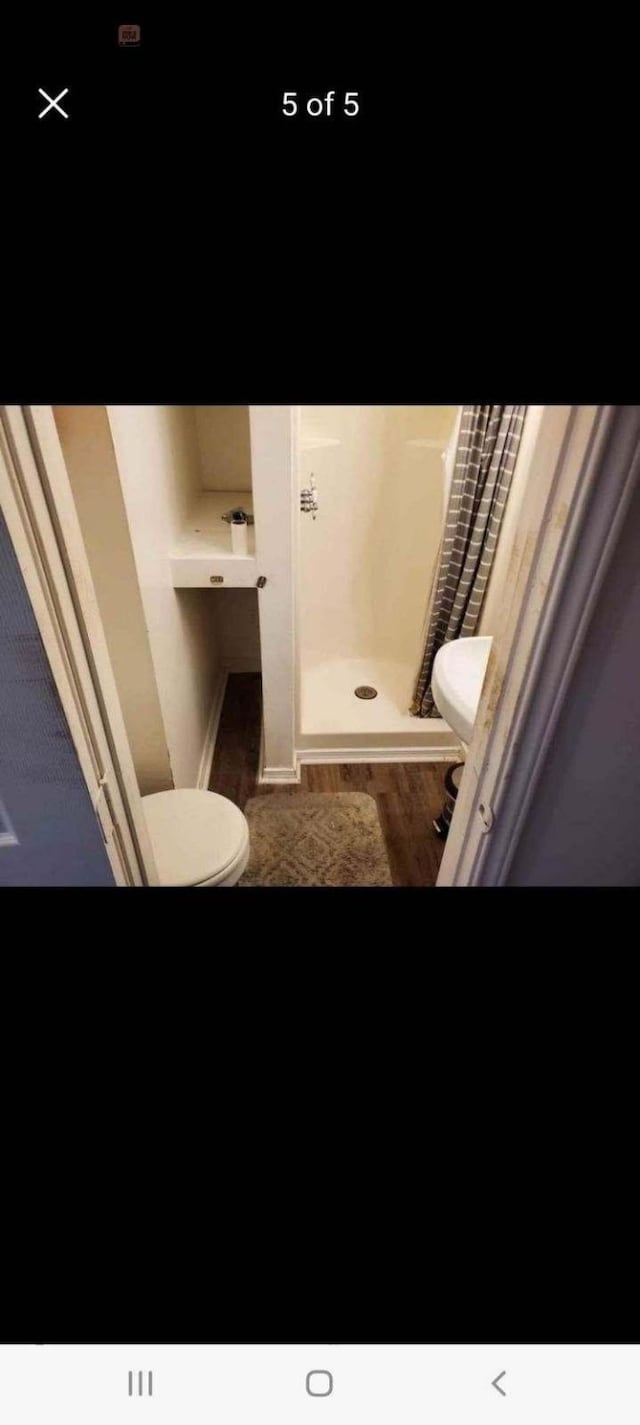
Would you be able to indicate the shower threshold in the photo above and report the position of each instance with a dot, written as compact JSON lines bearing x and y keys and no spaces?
{"x":334,"y":718}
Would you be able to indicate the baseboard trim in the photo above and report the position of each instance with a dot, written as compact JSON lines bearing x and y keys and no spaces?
{"x":261,"y":752}
{"x":323,"y":755}
{"x":208,"y":750}
{"x":279,"y":774}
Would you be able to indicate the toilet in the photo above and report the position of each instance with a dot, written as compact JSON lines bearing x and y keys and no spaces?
{"x":198,"y":838}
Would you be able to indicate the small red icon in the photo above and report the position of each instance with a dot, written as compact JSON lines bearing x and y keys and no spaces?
{"x":128,"y":34}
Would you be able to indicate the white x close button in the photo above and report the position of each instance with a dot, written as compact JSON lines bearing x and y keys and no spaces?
{"x":53,"y":103}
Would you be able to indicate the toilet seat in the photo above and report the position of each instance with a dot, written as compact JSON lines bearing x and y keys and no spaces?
{"x":197,"y":838}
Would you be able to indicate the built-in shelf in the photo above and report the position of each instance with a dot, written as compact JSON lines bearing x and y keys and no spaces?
{"x":317,"y":442}
{"x":203,"y":552}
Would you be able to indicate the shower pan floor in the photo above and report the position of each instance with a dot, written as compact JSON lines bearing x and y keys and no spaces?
{"x":332,"y":715}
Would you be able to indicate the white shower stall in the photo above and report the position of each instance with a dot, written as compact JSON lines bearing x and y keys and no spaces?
{"x":365,"y":566}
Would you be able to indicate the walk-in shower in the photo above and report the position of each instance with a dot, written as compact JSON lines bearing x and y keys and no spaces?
{"x":372,"y":484}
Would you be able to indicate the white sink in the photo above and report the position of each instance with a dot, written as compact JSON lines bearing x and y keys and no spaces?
{"x":456,"y":682}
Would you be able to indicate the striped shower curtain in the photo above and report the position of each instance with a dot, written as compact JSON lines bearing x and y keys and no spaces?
{"x":485,"y":458}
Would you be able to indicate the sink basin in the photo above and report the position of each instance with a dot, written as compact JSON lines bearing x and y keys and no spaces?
{"x":456,"y":683}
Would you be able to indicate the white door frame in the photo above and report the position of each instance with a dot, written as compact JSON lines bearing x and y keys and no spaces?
{"x":38,"y":506}
{"x":585,"y":466}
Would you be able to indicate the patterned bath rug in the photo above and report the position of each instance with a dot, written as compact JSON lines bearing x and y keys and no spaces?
{"x":315,"y":839}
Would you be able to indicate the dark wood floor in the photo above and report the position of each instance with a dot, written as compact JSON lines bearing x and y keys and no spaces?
{"x":408,"y":794}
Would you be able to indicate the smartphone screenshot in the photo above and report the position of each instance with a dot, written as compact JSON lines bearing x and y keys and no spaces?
{"x":319,"y":526}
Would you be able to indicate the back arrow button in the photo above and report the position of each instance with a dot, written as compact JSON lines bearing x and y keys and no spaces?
{"x":495,"y":1382}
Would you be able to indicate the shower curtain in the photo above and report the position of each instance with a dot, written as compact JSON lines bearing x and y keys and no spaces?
{"x":486,"y":454}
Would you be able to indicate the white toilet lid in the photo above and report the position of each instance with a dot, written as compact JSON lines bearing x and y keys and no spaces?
{"x":195,"y":836}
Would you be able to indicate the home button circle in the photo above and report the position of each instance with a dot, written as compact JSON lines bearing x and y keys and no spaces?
{"x":319,"y":1383}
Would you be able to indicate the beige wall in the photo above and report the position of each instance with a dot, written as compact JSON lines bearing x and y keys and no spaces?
{"x":223,"y":442}
{"x":158,"y":458}
{"x":367,"y":562}
{"x":498,"y":588}
{"x":89,"y":455}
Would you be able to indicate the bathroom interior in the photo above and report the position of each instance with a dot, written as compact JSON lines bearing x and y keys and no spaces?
{"x":215,"y":664}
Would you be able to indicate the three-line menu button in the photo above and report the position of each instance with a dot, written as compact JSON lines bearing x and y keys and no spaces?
{"x":138,"y":1378}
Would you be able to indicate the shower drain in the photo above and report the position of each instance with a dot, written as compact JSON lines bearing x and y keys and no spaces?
{"x":366,"y":692}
